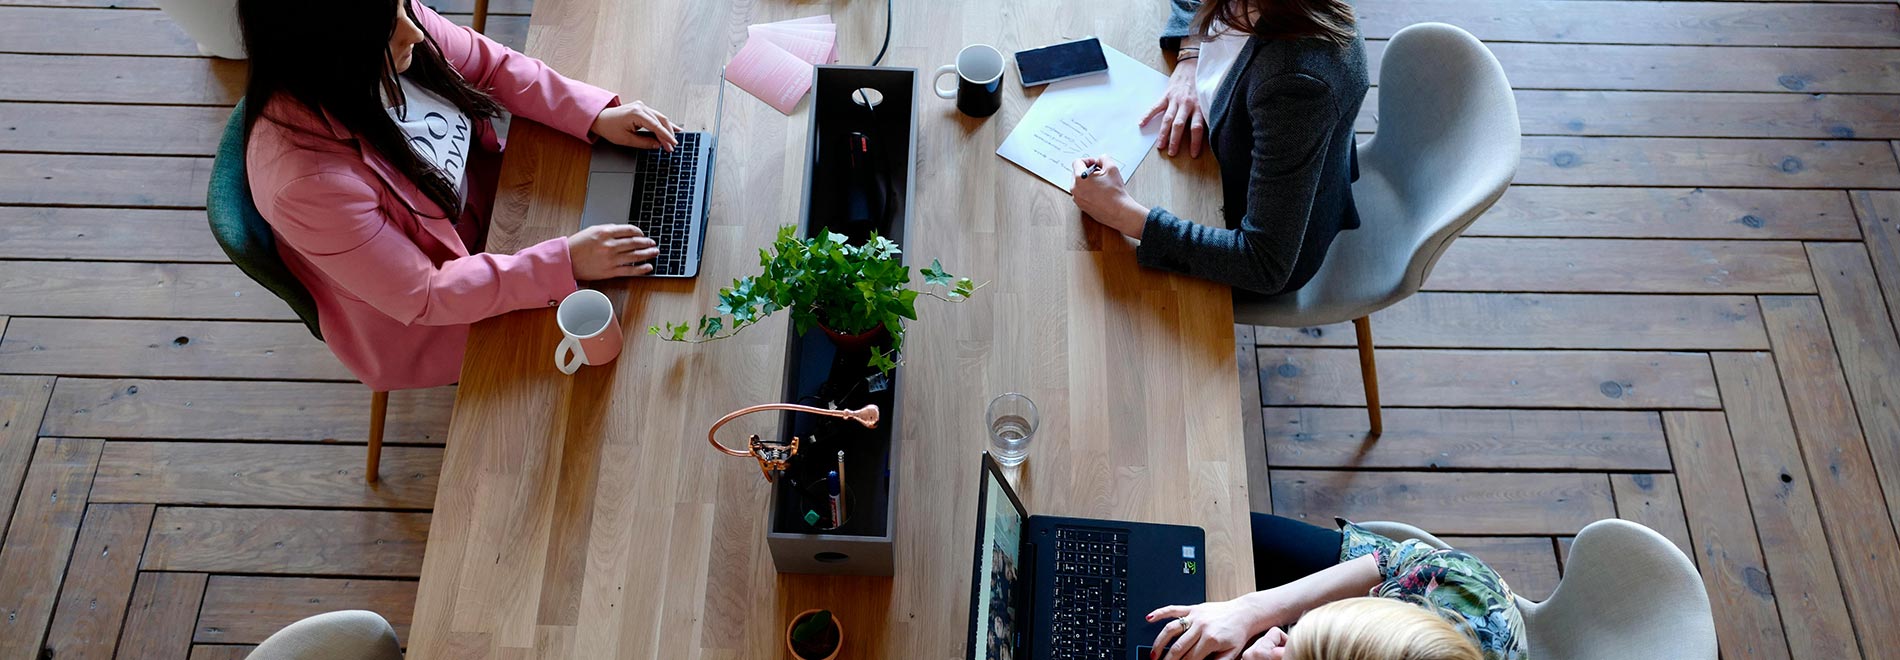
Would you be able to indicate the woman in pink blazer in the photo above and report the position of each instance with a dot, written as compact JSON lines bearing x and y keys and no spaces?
{"x":372,"y":155}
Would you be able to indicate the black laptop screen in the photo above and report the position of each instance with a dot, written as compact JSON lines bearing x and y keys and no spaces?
{"x":993,"y":615}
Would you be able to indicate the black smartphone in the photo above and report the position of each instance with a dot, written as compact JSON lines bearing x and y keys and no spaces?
{"x":1062,"y":61}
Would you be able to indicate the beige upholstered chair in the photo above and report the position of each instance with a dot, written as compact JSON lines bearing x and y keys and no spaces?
{"x":1627,"y":592}
{"x":344,"y":635}
{"x":1446,"y":148}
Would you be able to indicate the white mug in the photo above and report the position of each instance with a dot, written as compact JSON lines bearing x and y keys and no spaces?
{"x":592,"y":334}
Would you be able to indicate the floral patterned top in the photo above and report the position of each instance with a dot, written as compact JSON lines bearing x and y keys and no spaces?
{"x":1450,"y":579}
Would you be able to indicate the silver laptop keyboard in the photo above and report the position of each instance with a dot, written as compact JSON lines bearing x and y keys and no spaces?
{"x":663,"y":201}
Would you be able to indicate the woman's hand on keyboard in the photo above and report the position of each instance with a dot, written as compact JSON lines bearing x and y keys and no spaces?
{"x":607,"y":251}
{"x":622,"y":124}
{"x":1218,"y":629}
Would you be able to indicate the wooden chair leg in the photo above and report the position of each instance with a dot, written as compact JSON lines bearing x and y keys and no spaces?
{"x":1369,"y":372}
{"x":378,"y":405}
{"x":480,"y":22}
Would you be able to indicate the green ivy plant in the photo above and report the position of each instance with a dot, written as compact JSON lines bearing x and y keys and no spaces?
{"x":824,"y":280}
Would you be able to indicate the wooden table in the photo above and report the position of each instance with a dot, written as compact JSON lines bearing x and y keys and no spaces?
{"x":585,"y":516}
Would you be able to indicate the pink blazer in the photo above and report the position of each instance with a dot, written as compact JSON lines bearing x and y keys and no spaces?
{"x":395,"y":284}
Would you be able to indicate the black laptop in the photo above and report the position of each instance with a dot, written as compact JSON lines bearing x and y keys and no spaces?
{"x":1050,"y":588}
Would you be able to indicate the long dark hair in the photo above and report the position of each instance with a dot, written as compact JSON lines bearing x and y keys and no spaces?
{"x":1330,"y":20}
{"x":333,"y":55}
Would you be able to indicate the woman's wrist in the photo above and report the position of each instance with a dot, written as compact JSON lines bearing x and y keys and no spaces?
{"x":1131,"y":217}
{"x":1268,"y":609}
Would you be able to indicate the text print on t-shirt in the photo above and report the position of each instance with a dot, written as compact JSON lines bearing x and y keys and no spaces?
{"x":438,"y":132}
{"x":444,"y":142}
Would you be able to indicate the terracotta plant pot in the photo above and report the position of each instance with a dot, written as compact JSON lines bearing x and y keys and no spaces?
{"x":835,"y":625}
{"x":857,"y":343}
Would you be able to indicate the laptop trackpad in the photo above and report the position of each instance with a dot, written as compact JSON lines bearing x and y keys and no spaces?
{"x":609,"y":199}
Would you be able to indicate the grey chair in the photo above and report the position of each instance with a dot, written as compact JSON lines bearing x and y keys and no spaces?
{"x":1446,"y":147}
{"x":344,"y":635}
{"x":1627,"y":592}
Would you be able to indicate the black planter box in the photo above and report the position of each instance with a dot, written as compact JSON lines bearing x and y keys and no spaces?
{"x":816,"y":373}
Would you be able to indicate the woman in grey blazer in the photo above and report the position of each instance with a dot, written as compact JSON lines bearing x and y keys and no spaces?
{"x":1280,"y":121}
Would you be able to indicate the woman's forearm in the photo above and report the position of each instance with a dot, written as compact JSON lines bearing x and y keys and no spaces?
{"x":1285,"y":604}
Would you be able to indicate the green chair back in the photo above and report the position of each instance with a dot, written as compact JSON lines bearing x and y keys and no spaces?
{"x":242,"y":231}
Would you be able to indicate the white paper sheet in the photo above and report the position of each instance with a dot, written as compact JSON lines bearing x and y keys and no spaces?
{"x":1089,"y":116}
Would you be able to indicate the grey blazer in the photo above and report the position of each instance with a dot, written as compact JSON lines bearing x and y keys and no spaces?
{"x":1282,"y":128}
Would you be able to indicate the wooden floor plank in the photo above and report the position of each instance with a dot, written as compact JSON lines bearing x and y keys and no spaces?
{"x":40,"y":540}
{"x":1542,"y":320}
{"x":1727,"y":550}
{"x":1870,"y":353}
{"x":1622,"y":266}
{"x":221,"y":651}
{"x":254,"y":474}
{"x":120,"y":79}
{"x":23,"y":400}
{"x":232,"y":410}
{"x":1259,"y":495}
{"x":1692,"y":68}
{"x":1653,"y":501}
{"x":92,"y":32}
{"x":1568,"y":161}
{"x":74,"y":179}
{"x":1527,"y":563}
{"x":136,"y":290}
{"x":168,"y":349}
{"x":1600,"y":113}
{"x":1496,"y":379}
{"x":1451,"y":503}
{"x":1859,"y":529}
{"x":287,"y":541}
{"x":1880,"y":221}
{"x":1631,"y":22}
{"x":165,"y":130}
{"x":99,"y":582}
{"x":1781,"y":499}
{"x":93,"y":234}
{"x":245,"y":610}
{"x":1705,"y":213}
{"x":1431,"y":439}
{"x":158,"y":625}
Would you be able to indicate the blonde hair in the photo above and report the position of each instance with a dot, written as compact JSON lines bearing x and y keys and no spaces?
{"x":1370,"y":628}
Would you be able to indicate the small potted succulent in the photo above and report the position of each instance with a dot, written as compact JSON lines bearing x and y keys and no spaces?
{"x":814,"y":635}
{"x":860,"y":295}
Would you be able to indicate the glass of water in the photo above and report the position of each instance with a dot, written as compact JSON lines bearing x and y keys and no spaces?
{"x":1013,"y":421}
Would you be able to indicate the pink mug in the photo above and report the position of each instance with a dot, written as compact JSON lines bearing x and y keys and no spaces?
{"x":592,"y":333}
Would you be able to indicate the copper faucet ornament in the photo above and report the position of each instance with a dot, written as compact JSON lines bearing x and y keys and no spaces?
{"x":773,"y":457}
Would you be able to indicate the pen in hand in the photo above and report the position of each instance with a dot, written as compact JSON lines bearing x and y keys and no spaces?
{"x":1093,"y":170}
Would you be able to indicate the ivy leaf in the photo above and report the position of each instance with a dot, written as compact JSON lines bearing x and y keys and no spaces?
{"x":710,"y":326}
{"x":964,"y":288}
{"x":678,"y":331}
{"x":882,"y":360}
{"x":934,"y":274}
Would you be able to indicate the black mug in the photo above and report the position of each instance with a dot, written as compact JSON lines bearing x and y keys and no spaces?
{"x":979,"y":90}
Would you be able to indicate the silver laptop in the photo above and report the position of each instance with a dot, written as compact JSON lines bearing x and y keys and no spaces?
{"x":668,"y":195}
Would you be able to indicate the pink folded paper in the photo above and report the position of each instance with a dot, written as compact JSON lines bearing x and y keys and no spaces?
{"x":768,"y":72}
{"x":814,"y":47}
{"x":775,"y":64}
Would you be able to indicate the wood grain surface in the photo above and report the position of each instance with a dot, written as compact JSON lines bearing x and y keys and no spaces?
{"x":582,"y":517}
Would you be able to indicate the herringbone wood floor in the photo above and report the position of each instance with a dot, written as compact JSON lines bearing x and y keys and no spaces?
{"x":1683,"y":314}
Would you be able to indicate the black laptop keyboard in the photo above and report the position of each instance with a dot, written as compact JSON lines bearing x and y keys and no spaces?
{"x":663,"y":201}
{"x":1091,"y":599}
